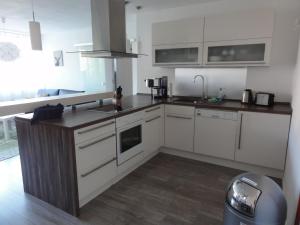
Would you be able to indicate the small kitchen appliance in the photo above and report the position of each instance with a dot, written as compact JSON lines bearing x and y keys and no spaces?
{"x":160,"y":85}
{"x":247,"y":97}
{"x":252,"y":199}
{"x":264,"y":99}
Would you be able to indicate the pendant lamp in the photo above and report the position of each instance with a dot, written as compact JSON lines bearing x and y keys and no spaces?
{"x":35,"y":33}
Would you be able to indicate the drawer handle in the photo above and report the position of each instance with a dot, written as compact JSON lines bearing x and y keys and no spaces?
{"x":180,"y":117}
{"x":240,"y":133}
{"x":151,"y":110}
{"x":215,"y":117}
{"x":98,"y":168}
{"x":95,"y":128}
{"x":96,"y":142}
{"x":155,"y":118}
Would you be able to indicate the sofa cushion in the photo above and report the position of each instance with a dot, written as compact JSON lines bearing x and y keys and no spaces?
{"x":47,"y":92}
{"x":68,"y":92}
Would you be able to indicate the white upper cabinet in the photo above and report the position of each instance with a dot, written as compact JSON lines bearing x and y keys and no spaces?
{"x":239,"y":26}
{"x":178,"y":32}
{"x":178,"y":42}
{"x":239,"y":39}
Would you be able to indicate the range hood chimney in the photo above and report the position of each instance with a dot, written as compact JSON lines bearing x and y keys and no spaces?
{"x":109,"y":30}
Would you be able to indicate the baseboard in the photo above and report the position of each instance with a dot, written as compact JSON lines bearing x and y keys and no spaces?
{"x":226,"y":163}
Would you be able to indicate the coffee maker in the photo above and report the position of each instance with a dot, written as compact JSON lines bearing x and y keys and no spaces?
{"x":160,"y":85}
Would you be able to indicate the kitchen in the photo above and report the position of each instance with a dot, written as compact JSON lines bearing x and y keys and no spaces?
{"x":183,"y":141}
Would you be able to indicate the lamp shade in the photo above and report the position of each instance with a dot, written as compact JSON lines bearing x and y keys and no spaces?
{"x":35,"y":35}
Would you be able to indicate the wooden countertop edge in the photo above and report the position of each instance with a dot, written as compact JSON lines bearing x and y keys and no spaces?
{"x":120,"y":114}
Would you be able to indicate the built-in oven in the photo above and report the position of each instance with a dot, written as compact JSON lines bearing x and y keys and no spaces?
{"x":129,"y":141}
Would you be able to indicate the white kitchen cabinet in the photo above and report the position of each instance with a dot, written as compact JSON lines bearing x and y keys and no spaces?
{"x":178,"y":42}
{"x":182,"y":31}
{"x":153,"y":130}
{"x":242,"y":25}
{"x":252,"y":52}
{"x":179,"y":127}
{"x":215,"y":133}
{"x":177,"y":54}
{"x":95,"y":148}
{"x":263,"y":139}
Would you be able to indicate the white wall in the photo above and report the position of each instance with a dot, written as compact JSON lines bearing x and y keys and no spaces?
{"x":291,"y":181}
{"x":277,"y":78}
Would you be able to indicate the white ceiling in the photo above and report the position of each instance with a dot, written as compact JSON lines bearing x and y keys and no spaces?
{"x":56,"y":15}
{"x":69,"y":14}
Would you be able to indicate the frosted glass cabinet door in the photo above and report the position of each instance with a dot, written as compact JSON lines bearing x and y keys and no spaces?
{"x":238,"y":52}
{"x":177,"y":54}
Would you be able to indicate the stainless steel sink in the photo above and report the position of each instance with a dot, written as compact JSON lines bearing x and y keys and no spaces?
{"x":189,"y":101}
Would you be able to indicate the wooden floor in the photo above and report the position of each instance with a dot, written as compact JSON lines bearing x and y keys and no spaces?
{"x":167,"y":190}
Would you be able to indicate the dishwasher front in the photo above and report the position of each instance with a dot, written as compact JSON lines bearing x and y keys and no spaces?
{"x":216,"y":133}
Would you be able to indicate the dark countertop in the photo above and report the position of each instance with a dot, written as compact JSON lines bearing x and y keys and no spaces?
{"x":83,"y":117}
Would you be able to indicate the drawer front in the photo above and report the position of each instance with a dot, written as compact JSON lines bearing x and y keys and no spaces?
{"x":154,"y":111}
{"x":180,"y":110}
{"x":95,"y":152}
{"x":96,"y":180}
{"x":94,"y":131}
{"x":131,"y":118}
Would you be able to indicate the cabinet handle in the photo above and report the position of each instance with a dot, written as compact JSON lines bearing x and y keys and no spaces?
{"x":96,"y":128}
{"x":151,"y":110}
{"x":240,"y":133}
{"x":155,"y":118}
{"x":180,"y":117}
{"x":96,"y":142}
{"x":98,"y":168}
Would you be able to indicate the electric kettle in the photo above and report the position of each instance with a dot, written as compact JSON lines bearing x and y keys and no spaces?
{"x":247,"y":96}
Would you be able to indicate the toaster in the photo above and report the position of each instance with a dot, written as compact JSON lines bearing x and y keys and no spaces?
{"x":264,"y":99}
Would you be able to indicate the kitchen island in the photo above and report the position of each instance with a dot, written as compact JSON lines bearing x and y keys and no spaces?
{"x":55,"y":154}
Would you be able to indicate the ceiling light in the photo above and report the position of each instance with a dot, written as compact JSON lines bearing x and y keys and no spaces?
{"x":35,"y":33}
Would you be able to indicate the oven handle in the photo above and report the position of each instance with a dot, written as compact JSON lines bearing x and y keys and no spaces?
{"x":155,"y":118}
{"x":96,"y":128}
{"x":97,"y":168}
{"x":96,"y":142}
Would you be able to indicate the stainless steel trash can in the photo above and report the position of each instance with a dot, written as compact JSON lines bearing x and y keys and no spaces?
{"x":252,"y":199}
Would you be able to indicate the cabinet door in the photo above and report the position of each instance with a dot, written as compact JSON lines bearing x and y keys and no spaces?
{"x":178,"y":32}
{"x":239,"y":25}
{"x":215,"y":136}
{"x":152,"y":134}
{"x":263,"y":139}
{"x":238,"y":52}
{"x":179,"y":54}
{"x":179,"y":132}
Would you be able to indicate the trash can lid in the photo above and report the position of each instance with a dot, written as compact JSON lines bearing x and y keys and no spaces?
{"x":243,"y":196}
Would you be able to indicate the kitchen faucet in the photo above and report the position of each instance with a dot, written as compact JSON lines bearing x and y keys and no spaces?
{"x":203,"y":85}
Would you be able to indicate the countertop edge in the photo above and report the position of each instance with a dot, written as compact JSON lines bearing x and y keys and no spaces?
{"x":165,"y":102}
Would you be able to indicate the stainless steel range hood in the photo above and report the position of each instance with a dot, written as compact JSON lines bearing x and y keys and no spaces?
{"x":108,"y":30}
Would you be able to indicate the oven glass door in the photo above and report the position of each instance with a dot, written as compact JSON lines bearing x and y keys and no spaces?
{"x":130,"y":138}
{"x":130,"y":142}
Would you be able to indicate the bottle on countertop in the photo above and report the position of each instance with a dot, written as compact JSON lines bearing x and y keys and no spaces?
{"x":221,"y":94}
